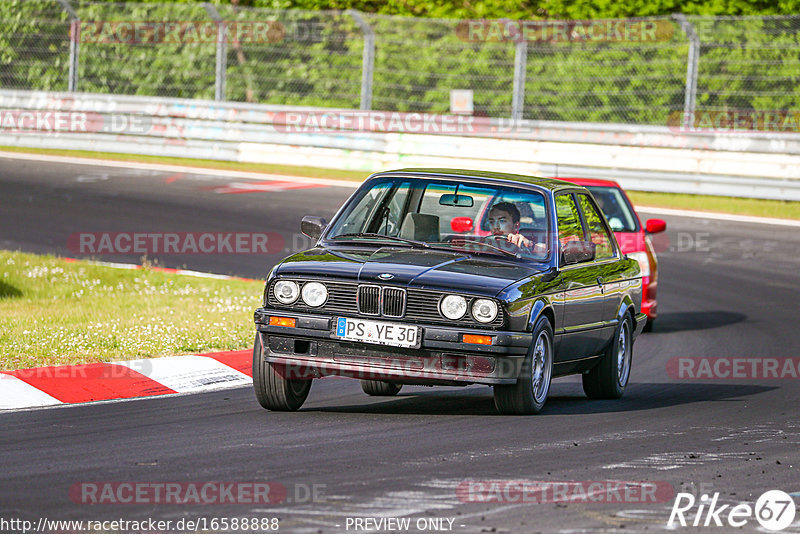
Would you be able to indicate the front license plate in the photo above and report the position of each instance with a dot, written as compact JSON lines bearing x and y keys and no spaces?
{"x":394,"y":334}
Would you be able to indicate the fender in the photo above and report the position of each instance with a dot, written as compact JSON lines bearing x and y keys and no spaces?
{"x":536,"y":311}
{"x":624,"y":306}
{"x":639,"y":319}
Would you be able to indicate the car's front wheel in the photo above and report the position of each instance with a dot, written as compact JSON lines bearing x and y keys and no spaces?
{"x":274,"y":390}
{"x":529,"y":394}
{"x":608,"y":379}
{"x":380,"y":388}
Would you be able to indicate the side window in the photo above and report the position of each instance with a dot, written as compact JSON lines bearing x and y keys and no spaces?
{"x":569,"y":223}
{"x":597,"y":230}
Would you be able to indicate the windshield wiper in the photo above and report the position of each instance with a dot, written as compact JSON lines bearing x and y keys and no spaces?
{"x":476,"y":242}
{"x":421,"y":244}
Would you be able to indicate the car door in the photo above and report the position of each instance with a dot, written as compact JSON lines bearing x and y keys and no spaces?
{"x":582,"y":307}
{"x":610,"y":271}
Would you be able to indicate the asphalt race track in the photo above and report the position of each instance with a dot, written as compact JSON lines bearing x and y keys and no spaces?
{"x":726,"y":290}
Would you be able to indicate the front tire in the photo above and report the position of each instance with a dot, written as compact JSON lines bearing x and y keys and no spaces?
{"x":529,"y":394}
{"x":273,"y":389}
{"x":380,"y":388}
{"x":608,"y":379}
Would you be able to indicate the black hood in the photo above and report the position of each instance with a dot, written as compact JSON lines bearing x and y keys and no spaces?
{"x":424,"y":269}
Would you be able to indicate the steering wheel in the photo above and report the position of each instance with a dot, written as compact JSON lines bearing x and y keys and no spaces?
{"x":505,"y":238}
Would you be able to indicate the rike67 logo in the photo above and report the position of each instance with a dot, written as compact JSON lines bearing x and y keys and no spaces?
{"x":774,"y":510}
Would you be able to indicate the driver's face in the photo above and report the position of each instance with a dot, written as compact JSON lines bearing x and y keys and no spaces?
{"x":501,"y":223}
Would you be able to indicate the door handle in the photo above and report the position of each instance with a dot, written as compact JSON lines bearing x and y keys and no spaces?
{"x":600,"y":280}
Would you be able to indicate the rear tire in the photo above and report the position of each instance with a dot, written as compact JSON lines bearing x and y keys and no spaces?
{"x":608,"y":379}
{"x":273,"y":389}
{"x":529,"y":394}
{"x":379,"y":388}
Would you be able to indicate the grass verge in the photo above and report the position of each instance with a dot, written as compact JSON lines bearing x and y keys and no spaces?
{"x":57,"y":312}
{"x":780,"y":209}
{"x":740,"y":206}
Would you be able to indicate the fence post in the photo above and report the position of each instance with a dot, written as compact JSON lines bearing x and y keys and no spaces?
{"x":518,"y":97}
{"x":690,"y":98}
{"x":74,"y":45}
{"x":367,"y":59}
{"x":222,"y":53}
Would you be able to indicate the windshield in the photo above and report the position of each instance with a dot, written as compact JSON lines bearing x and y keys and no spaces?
{"x":616,"y":208}
{"x":436,"y":213}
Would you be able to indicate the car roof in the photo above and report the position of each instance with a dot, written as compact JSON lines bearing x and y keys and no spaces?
{"x":551,"y":184}
{"x":592,"y":181}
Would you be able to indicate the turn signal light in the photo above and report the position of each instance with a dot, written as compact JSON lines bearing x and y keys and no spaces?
{"x":477,"y":340}
{"x":282,"y":321}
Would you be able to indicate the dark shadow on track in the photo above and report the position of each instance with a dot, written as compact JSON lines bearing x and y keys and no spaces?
{"x":8,"y":291}
{"x":667,"y":323}
{"x":478,"y":401}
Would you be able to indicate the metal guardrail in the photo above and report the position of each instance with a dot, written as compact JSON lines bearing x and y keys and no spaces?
{"x":647,"y":158}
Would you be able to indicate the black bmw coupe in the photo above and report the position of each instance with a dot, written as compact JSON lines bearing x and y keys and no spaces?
{"x":452,"y":277}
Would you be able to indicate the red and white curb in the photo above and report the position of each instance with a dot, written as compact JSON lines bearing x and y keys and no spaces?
{"x":74,"y":384}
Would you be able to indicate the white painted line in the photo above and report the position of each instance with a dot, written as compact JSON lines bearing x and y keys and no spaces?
{"x":16,"y":393}
{"x":719,"y":216}
{"x":349,"y":184}
{"x":164,"y":167}
{"x":114,"y":265}
{"x":200,"y":274}
{"x":185,"y":272}
{"x":189,"y":373}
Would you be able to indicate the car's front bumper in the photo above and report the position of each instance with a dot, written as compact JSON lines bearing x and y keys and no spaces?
{"x":312,"y":350}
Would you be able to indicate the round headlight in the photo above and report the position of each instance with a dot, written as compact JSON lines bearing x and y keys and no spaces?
{"x":484,"y":310}
{"x":453,"y":307}
{"x":314,"y":294}
{"x":286,"y":291}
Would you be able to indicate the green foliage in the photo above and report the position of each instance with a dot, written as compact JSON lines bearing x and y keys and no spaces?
{"x":34,"y":45}
{"x":113,"y":60}
{"x":314,"y":58}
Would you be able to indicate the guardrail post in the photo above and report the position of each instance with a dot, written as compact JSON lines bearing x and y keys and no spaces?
{"x":690,"y":97}
{"x":367,"y":59}
{"x":518,"y":97}
{"x":222,"y":53}
{"x":74,"y":45}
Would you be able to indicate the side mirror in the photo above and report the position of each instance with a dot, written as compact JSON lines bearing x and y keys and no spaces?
{"x":313,"y":226}
{"x":577,"y":251}
{"x":461,"y":224}
{"x":655,"y":226}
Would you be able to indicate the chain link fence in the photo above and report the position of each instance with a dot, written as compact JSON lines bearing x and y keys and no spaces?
{"x":635,"y":71}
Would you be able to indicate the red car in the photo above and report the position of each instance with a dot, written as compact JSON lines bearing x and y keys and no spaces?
{"x":634,"y":240}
